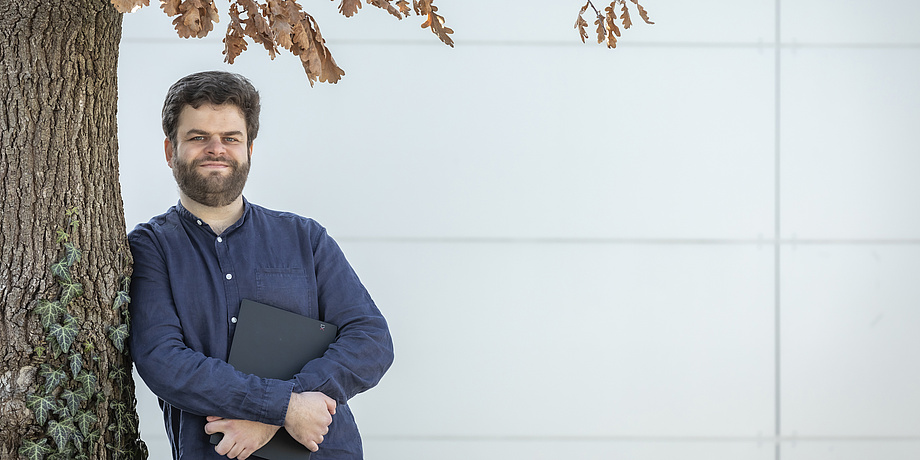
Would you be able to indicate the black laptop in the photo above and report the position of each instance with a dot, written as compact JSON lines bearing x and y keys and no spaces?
{"x":273,"y":343}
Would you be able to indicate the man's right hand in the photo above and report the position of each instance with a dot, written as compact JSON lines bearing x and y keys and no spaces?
{"x":308,"y":418}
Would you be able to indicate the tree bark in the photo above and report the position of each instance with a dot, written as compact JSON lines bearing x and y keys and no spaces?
{"x":58,"y":152}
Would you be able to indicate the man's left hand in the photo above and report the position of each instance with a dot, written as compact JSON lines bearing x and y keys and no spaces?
{"x":241,"y":437}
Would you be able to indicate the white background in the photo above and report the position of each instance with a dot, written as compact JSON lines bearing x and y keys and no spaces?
{"x":704,"y":244}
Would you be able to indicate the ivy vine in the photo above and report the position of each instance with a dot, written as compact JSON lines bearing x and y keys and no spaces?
{"x":69,"y":400}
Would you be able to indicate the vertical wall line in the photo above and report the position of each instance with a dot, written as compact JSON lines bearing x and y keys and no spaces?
{"x":777,"y":236}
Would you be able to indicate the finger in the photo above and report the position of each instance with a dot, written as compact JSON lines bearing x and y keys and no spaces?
{"x":235,"y":451}
{"x":223,"y":448}
{"x":214,"y":418}
{"x":215,"y":427}
{"x":330,"y":405}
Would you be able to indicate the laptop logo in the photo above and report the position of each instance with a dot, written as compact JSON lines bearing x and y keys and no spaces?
{"x":322,"y":327}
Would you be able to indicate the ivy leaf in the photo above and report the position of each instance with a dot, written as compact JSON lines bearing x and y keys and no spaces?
{"x":78,"y":442}
{"x":55,"y":349}
{"x":42,"y":407}
{"x":121,"y":299}
{"x":87,"y":382}
{"x":92,"y":437}
{"x":62,"y":235}
{"x":76,"y":364}
{"x":72,"y":401}
{"x":49,"y":312}
{"x":122,"y":418}
{"x":61,"y":433}
{"x":34,"y":450}
{"x":118,"y":374}
{"x":117,"y":451}
{"x":119,"y":407}
{"x":53,"y":377}
{"x":70,"y":291}
{"x":86,"y":421}
{"x":67,"y":454}
{"x":126,"y":283}
{"x":61,"y":270}
{"x":72,"y":254}
{"x":118,"y":335}
{"x":65,"y":334}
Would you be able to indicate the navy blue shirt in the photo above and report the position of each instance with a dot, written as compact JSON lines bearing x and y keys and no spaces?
{"x":185,"y":294}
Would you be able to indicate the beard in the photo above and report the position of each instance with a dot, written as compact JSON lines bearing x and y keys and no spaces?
{"x":211,"y":189}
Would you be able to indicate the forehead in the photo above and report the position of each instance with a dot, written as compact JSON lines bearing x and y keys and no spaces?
{"x":212,"y":118}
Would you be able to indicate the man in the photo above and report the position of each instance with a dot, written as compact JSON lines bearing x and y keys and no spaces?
{"x":194,"y":264}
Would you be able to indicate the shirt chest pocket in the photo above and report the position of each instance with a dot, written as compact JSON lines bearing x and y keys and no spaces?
{"x":286,"y":288}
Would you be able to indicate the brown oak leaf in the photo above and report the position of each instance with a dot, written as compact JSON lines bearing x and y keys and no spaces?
{"x":404,"y":7}
{"x":349,"y":7}
{"x":129,"y":6}
{"x":601,"y":28}
{"x":385,"y":5}
{"x":170,"y":7}
{"x":627,"y":22}
{"x":435,"y":22}
{"x":256,"y":27}
{"x":642,"y":13}
{"x":581,"y":24}
{"x":611,"y":20}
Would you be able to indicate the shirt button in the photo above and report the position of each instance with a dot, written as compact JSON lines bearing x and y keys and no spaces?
{"x":233,"y":320}
{"x":199,"y":222}
{"x":229,"y":276}
{"x":219,"y":239}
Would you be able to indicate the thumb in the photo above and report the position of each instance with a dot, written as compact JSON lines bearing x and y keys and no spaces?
{"x":330,"y":405}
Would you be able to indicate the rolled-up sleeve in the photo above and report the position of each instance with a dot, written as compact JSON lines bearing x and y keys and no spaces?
{"x":363,"y":350}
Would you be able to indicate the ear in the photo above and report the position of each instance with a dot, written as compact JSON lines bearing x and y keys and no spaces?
{"x":167,"y":146}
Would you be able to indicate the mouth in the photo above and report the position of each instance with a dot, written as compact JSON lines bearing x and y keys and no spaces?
{"x":214,"y":165}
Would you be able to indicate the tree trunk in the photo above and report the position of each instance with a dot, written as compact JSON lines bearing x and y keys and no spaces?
{"x":59,"y":180}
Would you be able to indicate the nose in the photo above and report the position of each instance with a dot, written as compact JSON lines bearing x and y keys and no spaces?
{"x":215,"y":146}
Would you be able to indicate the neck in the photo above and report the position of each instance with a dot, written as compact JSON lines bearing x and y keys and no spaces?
{"x":218,"y":218}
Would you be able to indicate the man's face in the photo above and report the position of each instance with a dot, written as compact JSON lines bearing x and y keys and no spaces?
{"x":210,"y":160}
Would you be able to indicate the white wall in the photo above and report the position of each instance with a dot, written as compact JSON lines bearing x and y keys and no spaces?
{"x":695,"y":246}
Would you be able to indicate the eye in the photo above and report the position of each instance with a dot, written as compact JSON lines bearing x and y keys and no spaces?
{"x":231,"y":139}
{"x":197,"y":138}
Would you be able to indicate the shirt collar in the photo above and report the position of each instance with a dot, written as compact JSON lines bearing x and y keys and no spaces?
{"x":188,"y":216}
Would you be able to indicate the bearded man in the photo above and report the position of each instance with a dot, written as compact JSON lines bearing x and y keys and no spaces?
{"x":193,"y":266}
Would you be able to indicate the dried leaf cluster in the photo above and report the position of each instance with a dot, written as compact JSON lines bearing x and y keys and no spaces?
{"x":284,"y":24}
{"x":606,"y":22}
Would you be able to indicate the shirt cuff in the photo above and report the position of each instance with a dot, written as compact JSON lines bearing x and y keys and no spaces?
{"x":276,"y":399}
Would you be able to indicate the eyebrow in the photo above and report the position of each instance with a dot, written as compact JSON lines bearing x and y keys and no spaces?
{"x":201,"y":131}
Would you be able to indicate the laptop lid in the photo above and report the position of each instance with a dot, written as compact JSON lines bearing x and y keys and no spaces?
{"x":274,"y":343}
